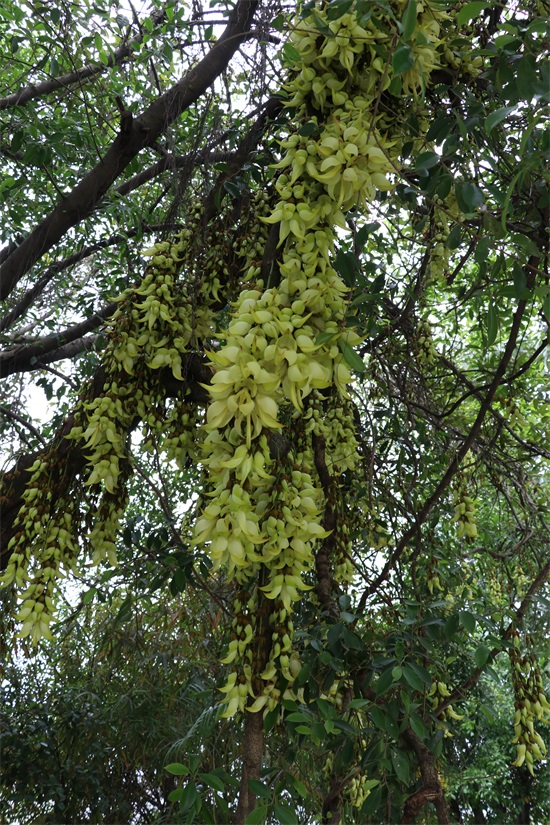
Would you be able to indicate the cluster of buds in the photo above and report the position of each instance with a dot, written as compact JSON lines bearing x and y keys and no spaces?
{"x":359,"y":788}
{"x":438,"y":693}
{"x":425,"y":350}
{"x":464,"y":510}
{"x":531,"y":705}
{"x":437,"y":236}
{"x":43,"y":549}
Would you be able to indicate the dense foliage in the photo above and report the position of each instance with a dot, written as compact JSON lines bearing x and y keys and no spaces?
{"x":279,"y":550}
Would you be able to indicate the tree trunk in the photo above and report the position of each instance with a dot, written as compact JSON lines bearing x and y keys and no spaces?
{"x":253,"y":748}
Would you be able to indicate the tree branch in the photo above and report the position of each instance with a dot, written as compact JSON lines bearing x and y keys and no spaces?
{"x":27,"y":357}
{"x":135,"y":134}
{"x":455,"y":463}
{"x":54,"y":84}
{"x":459,"y":692}
{"x":60,"y":266}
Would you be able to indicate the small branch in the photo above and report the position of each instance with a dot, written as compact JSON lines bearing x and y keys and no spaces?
{"x":30,"y":356}
{"x":454,"y":465}
{"x":144,"y":132}
{"x":20,"y":420}
{"x":459,"y":692}
{"x":170,"y":162}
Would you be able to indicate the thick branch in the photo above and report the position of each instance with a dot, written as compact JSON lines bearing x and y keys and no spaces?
{"x":27,"y":357}
{"x":431,"y":790}
{"x":54,"y":84}
{"x":135,"y":135}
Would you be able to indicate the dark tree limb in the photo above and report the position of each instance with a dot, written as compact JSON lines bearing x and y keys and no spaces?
{"x":79,"y":76}
{"x":135,"y":134}
{"x":431,"y":790}
{"x":25,"y":357}
{"x":253,"y":748}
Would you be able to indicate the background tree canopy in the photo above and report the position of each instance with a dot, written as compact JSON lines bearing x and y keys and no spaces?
{"x":279,"y":549}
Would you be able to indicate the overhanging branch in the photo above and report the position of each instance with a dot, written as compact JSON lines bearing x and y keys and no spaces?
{"x":135,"y":134}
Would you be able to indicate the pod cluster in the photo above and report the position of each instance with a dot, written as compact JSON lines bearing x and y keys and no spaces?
{"x":531,"y":706}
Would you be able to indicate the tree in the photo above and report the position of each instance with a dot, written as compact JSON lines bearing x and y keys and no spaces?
{"x":290,"y":263}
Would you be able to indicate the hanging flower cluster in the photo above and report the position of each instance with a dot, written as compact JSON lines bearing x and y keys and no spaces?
{"x":438,"y":693}
{"x":464,"y":509}
{"x":154,"y":326}
{"x":531,"y":706}
{"x":284,"y":348}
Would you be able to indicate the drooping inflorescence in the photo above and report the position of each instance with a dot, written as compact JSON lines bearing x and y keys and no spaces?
{"x":284,"y":367}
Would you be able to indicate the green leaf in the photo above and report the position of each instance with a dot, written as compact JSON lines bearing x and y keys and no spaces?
{"x":497,"y":117}
{"x":481,"y":655}
{"x":402,"y":60}
{"x":546,"y":308}
{"x":189,"y":796}
{"x":125,"y":611}
{"x":482,"y":249}
{"x":469,"y":11}
{"x":401,"y":766}
{"x":455,"y":237}
{"x":309,"y":129}
{"x":358,"y":703}
{"x":89,"y":595}
{"x":492,"y":324}
{"x":177,"y":769}
{"x":291,"y":54}
{"x":412,"y":678}
{"x":427,"y":160}
{"x":258,"y":816}
{"x":469,"y":196}
{"x":384,"y":682}
{"x":347,"y":265}
{"x":408,"y":21}
{"x":421,"y":672}
{"x":467,"y":620}
{"x":233,"y":188}
{"x":321,"y":26}
{"x":418,"y":726}
{"x":451,"y":626}
{"x":301,"y":788}
{"x":378,"y":717}
{"x":298,"y":716}
{"x":284,"y":815}
{"x":324,"y":338}
{"x":259,"y":789}
{"x":520,"y":282}
{"x":337,"y":8}
{"x":353,"y":358}
{"x":213,"y":781}
{"x":372,"y":803}
{"x":176,"y":795}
